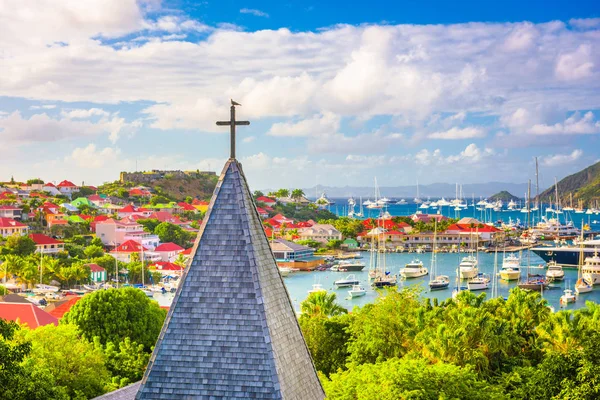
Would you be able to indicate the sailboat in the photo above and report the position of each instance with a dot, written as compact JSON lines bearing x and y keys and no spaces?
{"x":441,"y":281}
{"x":360,"y":213}
{"x":417,"y":199}
{"x":383,"y":277}
{"x":583,"y":285}
{"x":531,"y":282}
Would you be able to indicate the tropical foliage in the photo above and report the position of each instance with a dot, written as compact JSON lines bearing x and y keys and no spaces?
{"x":407,"y":346}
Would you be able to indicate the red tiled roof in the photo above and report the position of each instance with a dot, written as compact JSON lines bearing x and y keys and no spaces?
{"x":49,"y":184}
{"x":66,"y":183}
{"x":50,"y":205}
{"x":41,"y":239}
{"x":265,"y":199}
{"x":187,"y":252}
{"x":186,"y":206}
{"x":139,"y":192}
{"x":100,"y":218}
{"x":10,"y":223}
{"x":28,"y":314}
{"x":394,"y":233}
{"x":85,"y":217}
{"x":9,"y":208}
{"x":476,"y":228}
{"x":64,"y":308}
{"x":168,"y":247}
{"x":95,"y":197}
{"x":304,"y":224}
{"x":129,"y":246}
{"x":167,"y":266}
{"x":128,"y":208}
{"x":95,"y":268}
{"x":164,"y":216}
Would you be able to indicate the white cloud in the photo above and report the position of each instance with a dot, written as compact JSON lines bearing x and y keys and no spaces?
{"x":249,"y":139}
{"x":576,"y":65}
{"x":83,"y":113}
{"x":574,"y":125}
{"x":585,"y":23}
{"x":561,"y":159}
{"x":458,"y":133}
{"x":317,"y":125}
{"x":89,"y":157}
{"x":43,"y":107}
{"x":470,"y":155}
{"x":254,"y":12}
{"x":42,"y":128}
{"x":521,"y":38}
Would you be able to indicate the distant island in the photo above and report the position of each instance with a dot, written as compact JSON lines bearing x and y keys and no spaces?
{"x":503,"y":196}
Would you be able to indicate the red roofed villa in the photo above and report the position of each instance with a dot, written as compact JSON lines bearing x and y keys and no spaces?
{"x":28,"y":314}
{"x":46,"y":244}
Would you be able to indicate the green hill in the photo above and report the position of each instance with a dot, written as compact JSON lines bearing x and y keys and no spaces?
{"x":175,"y":185}
{"x":585,"y":186}
{"x":504,"y":196}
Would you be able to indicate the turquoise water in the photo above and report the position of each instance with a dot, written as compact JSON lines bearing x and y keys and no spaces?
{"x":299,"y":283}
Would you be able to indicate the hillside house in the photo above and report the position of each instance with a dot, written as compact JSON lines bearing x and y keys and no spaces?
{"x":9,"y":227}
{"x":46,"y":244}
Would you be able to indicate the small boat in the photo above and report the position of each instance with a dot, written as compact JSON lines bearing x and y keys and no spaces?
{"x":533,"y":283}
{"x":316,"y":288}
{"x":357,"y":291}
{"x":43,"y":289}
{"x":439,"y":283}
{"x":285,"y":271}
{"x":480,"y":282}
{"x":414,"y":269}
{"x":350,"y":280}
{"x":567,"y":297}
{"x":353,"y":266}
{"x":383,"y":281}
{"x":583,"y":286}
{"x":555,"y":272}
{"x":147,"y":292}
{"x":510,"y":273}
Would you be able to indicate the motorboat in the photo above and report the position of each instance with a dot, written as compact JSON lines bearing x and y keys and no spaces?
{"x":414,"y":269}
{"x":583,"y":286}
{"x":591,"y":269}
{"x":468,"y":267}
{"x":43,"y":289}
{"x":316,"y":288}
{"x":353,"y":266}
{"x":555,"y":272}
{"x":357,"y":291}
{"x":350,"y":280}
{"x":440,"y":282}
{"x":567,"y":297}
{"x":511,"y":268}
{"x":480,"y":282}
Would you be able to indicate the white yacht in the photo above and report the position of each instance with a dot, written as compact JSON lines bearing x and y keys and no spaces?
{"x":567,"y":297}
{"x":591,"y":269}
{"x":414,"y":269}
{"x":468,"y":267}
{"x":401,"y":202}
{"x":43,"y":289}
{"x":316,"y":288}
{"x":555,"y":272}
{"x":350,"y":280}
{"x":357,"y":291}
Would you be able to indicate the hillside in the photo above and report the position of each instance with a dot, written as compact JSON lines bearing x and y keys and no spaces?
{"x":585,"y":186}
{"x":504,"y":196}
{"x":172,"y":185}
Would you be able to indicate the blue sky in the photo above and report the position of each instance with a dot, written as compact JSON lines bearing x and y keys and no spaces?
{"x":337,"y":92}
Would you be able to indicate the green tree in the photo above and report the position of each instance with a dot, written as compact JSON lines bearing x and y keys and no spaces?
{"x":282,"y":193}
{"x":168,"y":232}
{"x":257,"y":194}
{"x":409,"y":379}
{"x":76,"y":364}
{"x":321,"y":304}
{"x":297,"y":194}
{"x":115,"y":314}
{"x":19,"y":245}
{"x":189,"y":199}
{"x":93,"y":251}
{"x":149,"y":224}
{"x":126,"y":361}
{"x":96,"y":241}
{"x":154,"y":200}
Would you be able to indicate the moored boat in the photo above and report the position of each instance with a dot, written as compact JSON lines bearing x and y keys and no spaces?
{"x":353,"y":266}
{"x":480,"y":282}
{"x":357,"y":291}
{"x":316,"y":288}
{"x":350,"y":280}
{"x":591,"y":269}
{"x":414,"y":269}
{"x":555,"y":272}
{"x":567,"y":297}
{"x":468,"y":267}
{"x":440,"y":282}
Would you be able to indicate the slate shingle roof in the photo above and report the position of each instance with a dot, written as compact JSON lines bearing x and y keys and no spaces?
{"x":231,"y":332}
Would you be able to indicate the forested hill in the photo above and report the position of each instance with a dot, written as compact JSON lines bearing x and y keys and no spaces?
{"x":504,"y":196}
{"x":585,"y":186}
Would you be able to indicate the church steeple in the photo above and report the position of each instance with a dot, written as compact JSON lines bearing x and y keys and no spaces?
{"x":231,"y":331}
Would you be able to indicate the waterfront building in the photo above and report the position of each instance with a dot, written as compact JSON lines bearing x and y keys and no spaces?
{"x":293,"y":255}
{"x":427,"y":218}
{"x":97,"y":273}
{"x":320,"y":232}
{"x":166,"y":268}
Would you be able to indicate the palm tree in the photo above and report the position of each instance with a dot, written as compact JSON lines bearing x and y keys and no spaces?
{"x":297,"y":194}
{"x":11,"y":263}
{"x":283,"y":193}
{"x":181,"y":260}
{"x":321,"y":304}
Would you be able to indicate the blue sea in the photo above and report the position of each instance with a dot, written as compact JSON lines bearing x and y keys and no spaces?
{"x":299,"y":283}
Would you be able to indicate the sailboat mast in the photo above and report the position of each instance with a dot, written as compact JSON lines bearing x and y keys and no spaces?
{"x":528,"y":225}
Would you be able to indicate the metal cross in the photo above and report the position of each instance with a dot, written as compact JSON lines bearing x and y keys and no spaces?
{"x":232,"y":124}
